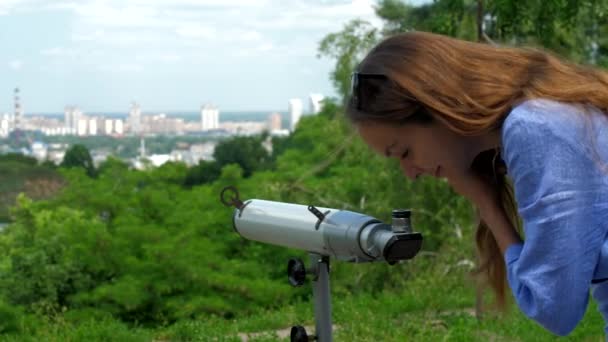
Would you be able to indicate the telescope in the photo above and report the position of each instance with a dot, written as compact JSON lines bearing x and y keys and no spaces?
{"x":323,"y":233}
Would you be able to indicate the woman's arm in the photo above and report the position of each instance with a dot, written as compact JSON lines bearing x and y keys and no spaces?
{"x":562,"y":201}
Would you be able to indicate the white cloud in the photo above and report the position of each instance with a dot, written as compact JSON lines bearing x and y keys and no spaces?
{"x":95,"y":35}
{"x":16,"y":64}
{"x":196,"y":31}
{"x":252,"y":36}
{"x":122,"y":67}
{"x":205,"y":18}
{"x":57,"y":51}
{"x":190,"y":28}
{"x":265,"y":47}
{"x":8,"y":6}
{"x":170,"y":58}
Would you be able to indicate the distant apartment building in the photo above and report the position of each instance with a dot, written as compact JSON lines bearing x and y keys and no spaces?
{"x":72,"y":117}
{"x":161,"y":124}
{"x":92,"y":127}
{"x":295,"y":112}
{"x":193,"y":154}
{"x":274,"y":122}
{"x":135,"y":125}
{"x":210,"y":117}
{"x":82,"y":125}
{"x":108,"y":126}
{"x":46,"y":125}
{"x":4,"y":125}
{"x":119,"y":127}
{"x":316,"y":102}
{"x":244,"y":128}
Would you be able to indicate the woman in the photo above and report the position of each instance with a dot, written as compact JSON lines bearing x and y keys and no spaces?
{"x":503,"y":124}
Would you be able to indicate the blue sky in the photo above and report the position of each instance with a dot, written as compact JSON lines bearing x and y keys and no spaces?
{"x":167,"y":54}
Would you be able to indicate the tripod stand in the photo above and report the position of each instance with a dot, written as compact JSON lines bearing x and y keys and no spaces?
{"x":297,"y":272}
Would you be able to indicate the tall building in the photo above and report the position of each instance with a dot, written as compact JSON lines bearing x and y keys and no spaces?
{"x":210,"y":117}
{"x":135,"y":118}
{"x":119,"y":127}
{"x":108,"y":125}
{"x":274,"y":122}
{"x":92,"y":126}
{"x":67,"y":117}
{"x":5,"y":125}
{"x":72,"y":116}
{"x":316,"y":102}
{"x":82,"y":125}
{"x":295,"y":112}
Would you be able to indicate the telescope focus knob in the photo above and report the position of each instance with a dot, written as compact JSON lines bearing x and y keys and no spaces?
{"x":401,"y":220}
{"x":296,"y":272}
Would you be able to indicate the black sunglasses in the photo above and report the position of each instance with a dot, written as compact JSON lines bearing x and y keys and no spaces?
{"x":360,"y":86}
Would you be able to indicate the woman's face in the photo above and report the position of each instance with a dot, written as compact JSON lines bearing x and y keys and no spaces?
{"x":423,"y":149}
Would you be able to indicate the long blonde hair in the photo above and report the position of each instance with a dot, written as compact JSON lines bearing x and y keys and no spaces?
{"x":470,"y":87}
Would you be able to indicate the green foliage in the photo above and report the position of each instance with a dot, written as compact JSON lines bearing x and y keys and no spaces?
{"x":134,"y":244}
{"x":18,"y":158}
{"x":245,"y":151}
{"x":10,"y":318}
{"x":204,"y":172}
{"x":79,"y":156}
{"x":347,"y":47}
{"x":112,"y":164}
{"x":570,"y":28}
{"x":20,"y":173}
{"x":456,"y":18}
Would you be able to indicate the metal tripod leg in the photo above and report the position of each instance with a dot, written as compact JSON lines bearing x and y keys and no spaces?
{"x":320,"y":289}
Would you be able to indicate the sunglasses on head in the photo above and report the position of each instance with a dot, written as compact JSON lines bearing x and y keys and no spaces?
{"x":361,"y":87}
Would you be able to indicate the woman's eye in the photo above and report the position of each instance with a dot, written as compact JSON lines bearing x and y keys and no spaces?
{"x":404,"y":155}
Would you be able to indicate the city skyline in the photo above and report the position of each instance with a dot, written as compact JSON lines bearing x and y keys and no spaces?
{"x":103,"y":55}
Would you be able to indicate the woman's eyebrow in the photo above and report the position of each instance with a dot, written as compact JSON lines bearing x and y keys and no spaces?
{"x":387,"y":151}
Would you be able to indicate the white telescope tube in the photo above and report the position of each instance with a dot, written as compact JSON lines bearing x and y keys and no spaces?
{"x":345,"y":235}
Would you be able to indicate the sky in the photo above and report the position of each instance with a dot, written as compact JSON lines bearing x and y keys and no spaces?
{"x":168,"y":55}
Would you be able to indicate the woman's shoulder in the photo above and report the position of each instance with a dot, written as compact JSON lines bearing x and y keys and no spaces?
{"x":548,"y":127}
{"x":545,"y":113}
{"x":548,"y":119}
{"x":544,"y":125}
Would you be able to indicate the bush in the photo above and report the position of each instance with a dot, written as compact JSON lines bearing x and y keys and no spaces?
{"x":10,"y":318}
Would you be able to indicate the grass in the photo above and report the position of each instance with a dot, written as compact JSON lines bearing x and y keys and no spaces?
{"x":424,"y":310}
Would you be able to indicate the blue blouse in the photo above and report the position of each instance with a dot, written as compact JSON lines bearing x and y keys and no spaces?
{"x":557,"y":157}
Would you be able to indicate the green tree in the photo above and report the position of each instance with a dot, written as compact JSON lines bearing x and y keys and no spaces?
{"x":204,"y":172}
{"x":347,"y":47}
{"x":576,"y":29}
{"x":456,"y":18}
{"x":245,"y":151}
{"x":79,"y":156}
